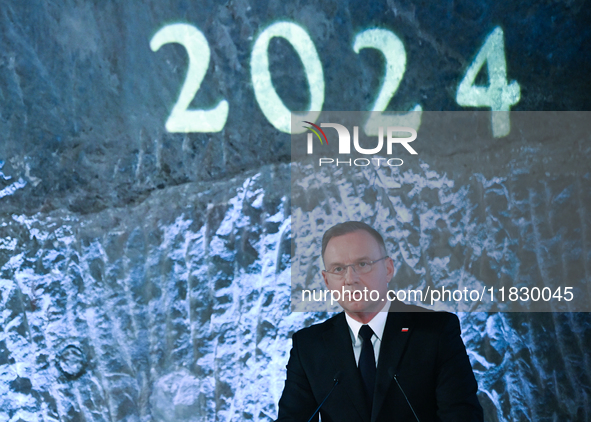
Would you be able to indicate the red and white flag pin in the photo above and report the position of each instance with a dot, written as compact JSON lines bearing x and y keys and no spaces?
{"x":404,"y":330}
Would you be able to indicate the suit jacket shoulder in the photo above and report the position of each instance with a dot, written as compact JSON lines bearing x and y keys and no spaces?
{"x":313,"y":332}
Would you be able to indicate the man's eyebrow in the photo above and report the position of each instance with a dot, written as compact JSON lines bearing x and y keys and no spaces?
{"x":331,"y":264}
{"x":363,"y":258}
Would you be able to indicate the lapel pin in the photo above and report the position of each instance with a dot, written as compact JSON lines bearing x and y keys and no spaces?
{"x":404,"y":330}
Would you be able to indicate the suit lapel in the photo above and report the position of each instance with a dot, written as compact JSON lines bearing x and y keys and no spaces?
{"x":398,"y":329}
{"x":339,"y":339}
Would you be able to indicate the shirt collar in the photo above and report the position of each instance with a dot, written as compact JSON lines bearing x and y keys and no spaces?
{"x":377,"y":324}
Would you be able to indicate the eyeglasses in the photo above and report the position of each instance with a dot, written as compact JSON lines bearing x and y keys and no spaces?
{"x":362,"y":267}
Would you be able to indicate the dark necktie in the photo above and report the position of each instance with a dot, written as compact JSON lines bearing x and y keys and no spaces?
{"x":367,"y":363}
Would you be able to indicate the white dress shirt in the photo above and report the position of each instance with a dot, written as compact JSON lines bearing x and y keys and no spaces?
{"x":377,"y":324}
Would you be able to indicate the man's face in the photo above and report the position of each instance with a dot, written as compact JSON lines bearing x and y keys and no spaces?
{"x":352,"y":248}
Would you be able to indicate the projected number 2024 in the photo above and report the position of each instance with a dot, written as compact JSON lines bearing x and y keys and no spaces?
{"x":499,"y":95}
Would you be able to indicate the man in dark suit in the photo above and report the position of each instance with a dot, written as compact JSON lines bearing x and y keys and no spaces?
{"x":393,"y":362}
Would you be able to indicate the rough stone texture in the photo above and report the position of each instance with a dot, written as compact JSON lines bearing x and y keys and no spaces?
{"x":84,"y":99}
{"x":151,"y":312}
{"x":145,"y":275}
{"x":179,"y":309}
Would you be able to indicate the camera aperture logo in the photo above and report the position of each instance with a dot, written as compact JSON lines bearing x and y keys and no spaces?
{"x":394,"y":135}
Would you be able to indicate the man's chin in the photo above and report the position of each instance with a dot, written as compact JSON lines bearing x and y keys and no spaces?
{"x":360,"y":306}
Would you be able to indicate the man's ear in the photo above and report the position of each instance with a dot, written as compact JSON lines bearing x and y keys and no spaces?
{"x":390,"y":268}
{"x":325,"y":277}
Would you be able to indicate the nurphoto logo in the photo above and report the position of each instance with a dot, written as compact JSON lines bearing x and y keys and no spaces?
{"x":394,"y":135}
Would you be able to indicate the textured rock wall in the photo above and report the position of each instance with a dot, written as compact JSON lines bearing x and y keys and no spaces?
{"x":182,"y":312}
{"x":152,"y":312}
{"x":85,"y":99}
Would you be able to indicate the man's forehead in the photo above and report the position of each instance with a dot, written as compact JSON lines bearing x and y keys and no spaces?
{"x":358,"y":242}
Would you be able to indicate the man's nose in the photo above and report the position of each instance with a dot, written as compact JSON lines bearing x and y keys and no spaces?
{"x":350,"y":274}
